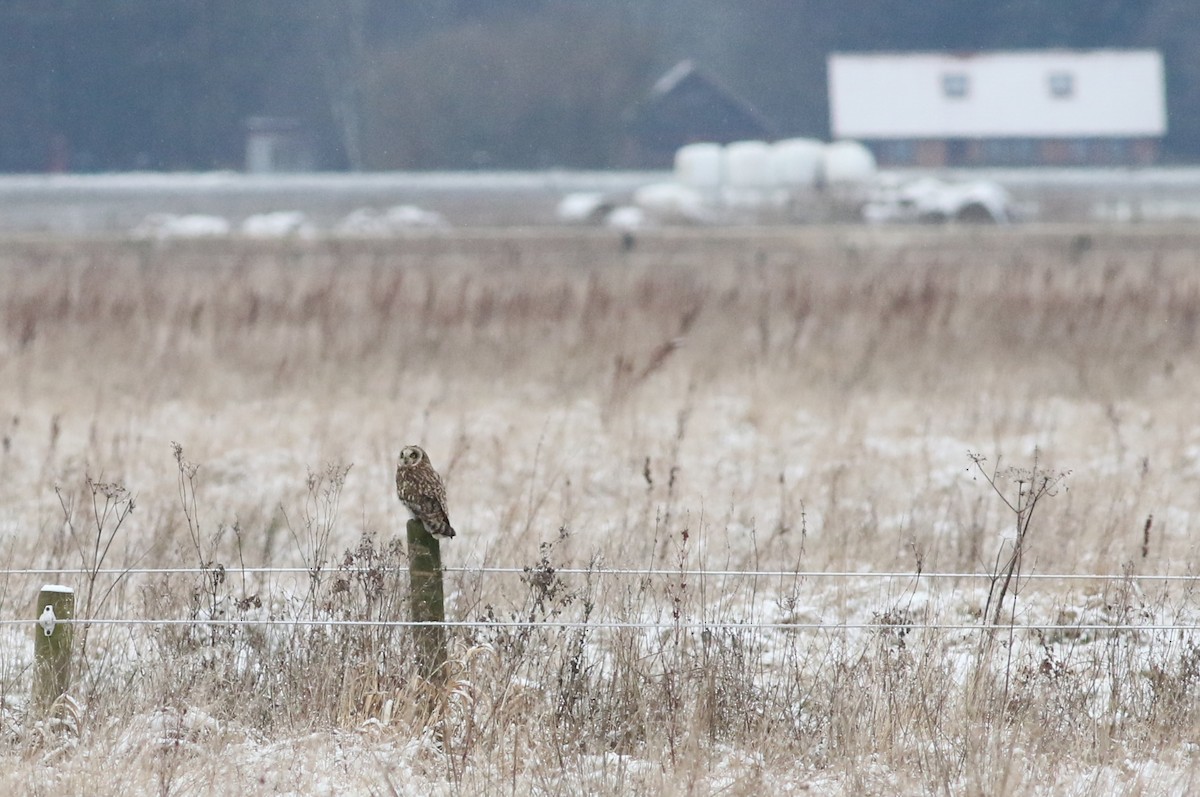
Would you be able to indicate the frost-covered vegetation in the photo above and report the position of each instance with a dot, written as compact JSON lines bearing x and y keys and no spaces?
{"x":813,"y":404}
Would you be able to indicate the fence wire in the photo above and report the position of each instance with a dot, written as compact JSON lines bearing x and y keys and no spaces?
{"x":622,"y":625}
{"x":583,"y":571}
{"x":609,"y":625}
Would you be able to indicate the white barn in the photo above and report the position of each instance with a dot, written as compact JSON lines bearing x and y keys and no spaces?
{"x":1051,"y":107}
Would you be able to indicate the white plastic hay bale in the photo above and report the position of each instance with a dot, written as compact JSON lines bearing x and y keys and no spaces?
{"x":795,"y":163}
{"x":747,"y":165}
{"x":847,"y":163}
{"x":278,"y":224}
{"x":698,"y":166}
{"x":163,"y":226}
{"x":671,"y":202}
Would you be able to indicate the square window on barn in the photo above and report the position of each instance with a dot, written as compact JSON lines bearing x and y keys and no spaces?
{"x":1062,"y":85}
{"x":955,"y":85}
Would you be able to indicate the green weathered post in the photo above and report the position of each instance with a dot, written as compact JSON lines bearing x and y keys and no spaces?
{"x":427,"y":600}
{"x":52,"y":644}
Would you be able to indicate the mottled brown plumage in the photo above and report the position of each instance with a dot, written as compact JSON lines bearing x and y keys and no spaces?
{"x":422,"y":491}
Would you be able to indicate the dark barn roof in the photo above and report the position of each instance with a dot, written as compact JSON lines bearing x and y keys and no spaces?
{"x":684,"y":106}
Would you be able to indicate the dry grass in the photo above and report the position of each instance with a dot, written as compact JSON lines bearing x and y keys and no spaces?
{"x":733,"y":400}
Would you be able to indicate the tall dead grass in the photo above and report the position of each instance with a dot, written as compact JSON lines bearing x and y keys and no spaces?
{"x":831,"y":311}
{"x":734,"y":400}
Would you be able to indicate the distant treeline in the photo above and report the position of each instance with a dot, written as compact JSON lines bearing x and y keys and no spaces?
{"x":101,"y":85}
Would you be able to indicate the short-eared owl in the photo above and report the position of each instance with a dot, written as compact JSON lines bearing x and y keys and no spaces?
{"x":421,"y":490}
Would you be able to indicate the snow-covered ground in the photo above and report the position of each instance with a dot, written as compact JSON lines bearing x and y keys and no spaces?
{"x":722,"y":401}
{"x":119,"y":203}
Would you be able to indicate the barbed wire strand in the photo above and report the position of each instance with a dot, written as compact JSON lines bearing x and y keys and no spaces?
{"x":579,"y":571}
{"x":620,"y":625}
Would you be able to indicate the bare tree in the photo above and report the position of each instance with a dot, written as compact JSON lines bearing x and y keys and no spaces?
{"x":338,"y":30}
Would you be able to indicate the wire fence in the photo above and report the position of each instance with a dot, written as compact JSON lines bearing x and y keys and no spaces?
{"x":667,"y":624}
{"x":610,"y":625}
{"x":583,"y":571}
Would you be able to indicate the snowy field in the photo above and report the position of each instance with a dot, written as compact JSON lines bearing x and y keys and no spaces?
{"x":120,"y":203}
{"x":723,"y":498}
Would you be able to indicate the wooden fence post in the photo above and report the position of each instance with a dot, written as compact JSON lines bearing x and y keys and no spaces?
{"x":427,"y":600}
{"x":52,"y":644}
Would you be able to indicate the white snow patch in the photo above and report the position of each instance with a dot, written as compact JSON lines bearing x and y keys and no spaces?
{"x":278,"y":224}
{"x":671,"y":202}
{"x":369,"y":221}
{"x":583,"y":207}
{"x":162,"y":226}
{"x":627,"y":217}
